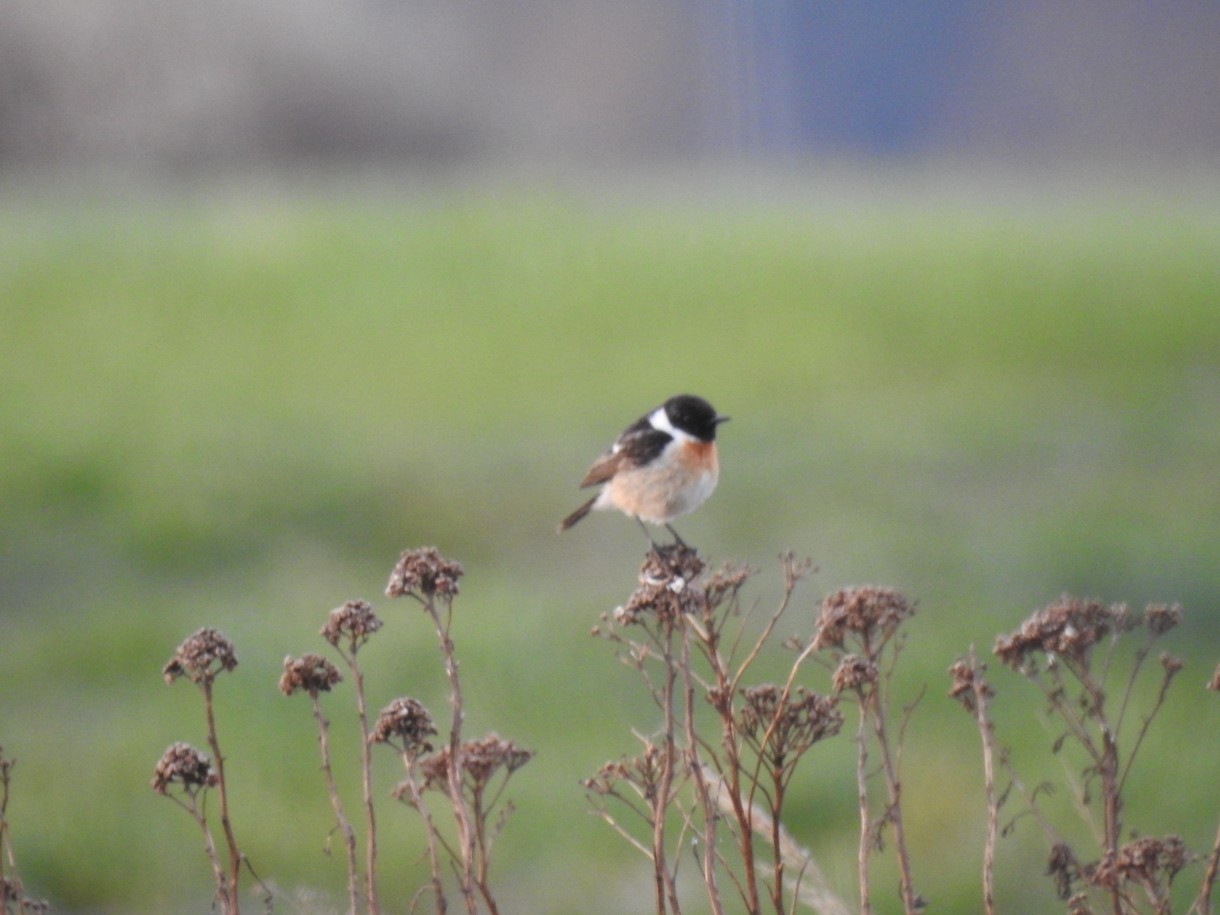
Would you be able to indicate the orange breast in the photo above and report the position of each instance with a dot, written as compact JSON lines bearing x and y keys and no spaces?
{"x":698,"y":457}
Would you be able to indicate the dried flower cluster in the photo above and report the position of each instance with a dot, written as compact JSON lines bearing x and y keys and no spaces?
{"x":644,"y":771}
{"x":1148,"y":861}
{"x":868,"y":612}
{"x":1160,"y":618}
{"x":667,"y":586}
{"x":13,"y":893}
{"x":965,"y":677}
{"x":1071,"y":626}
{"x":201,"y":657}
{"x":309,"y":673}
{"x":479,"y":760}
{"x":407,"y":720}
{"x":424,"y":571}
{"x":1063,"y":869}
{"x":726,"y":581}
{"x":783,"y":725}
{"x":352,"y":623}
{"x":183,"y":764}
{"x":854,"y":673}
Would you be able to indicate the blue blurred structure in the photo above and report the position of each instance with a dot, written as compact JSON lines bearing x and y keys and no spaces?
{"x":170,"y":83}
{"x":860,"y":78}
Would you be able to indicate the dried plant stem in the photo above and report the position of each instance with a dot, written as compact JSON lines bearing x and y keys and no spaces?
{"x":345,"y":828}
{"x":366,"y":783}
{"x":982,"y":696}
{"x":461,"y":814}
{"x":702,"y":790}
{"x":482,"y":847}
{"x":6,"y":845}
{"x":1203,"y":901}
{"x":866,"y":820}
{"x":974,"y":693}
{"x":209,"y":846}
{"x":666,"y":893}
{"x":231,"y":898}
{"x":1106,"y":762}
{"x":810,"y":886}
{"x":743,"y":813}
{"x":893,"y":782}
{"x":434,"y":861}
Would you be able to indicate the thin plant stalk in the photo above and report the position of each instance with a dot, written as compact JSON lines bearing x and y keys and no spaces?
{"x":461,"y":814}
{"x":702,"y":790}
{"x":974,"y":692}
{"x":417,"y":801}
{"x":665,"y":890}
{"x":1203,"y":901}
{"x":345,"y":827}
{"x":866,"y":820}
{"x":231,"y":889}
{"x":366,"y":773}
{"x":894,"y":811}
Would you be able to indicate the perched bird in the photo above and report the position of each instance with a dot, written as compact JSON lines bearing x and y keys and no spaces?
{"x":664,"y":465}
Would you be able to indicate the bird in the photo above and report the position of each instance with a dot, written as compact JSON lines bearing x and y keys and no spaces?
{"x":664,"y":465}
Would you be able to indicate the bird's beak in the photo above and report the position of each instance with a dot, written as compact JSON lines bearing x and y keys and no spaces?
{"x":722,"y":419}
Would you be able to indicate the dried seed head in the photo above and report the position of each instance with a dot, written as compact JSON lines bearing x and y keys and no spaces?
{"x":1070,"y":627}
{"x":1079,"y":905}
{"x":13,"y":892}
{"x":424,"y":571}
{"x":726,"y":581}
{"x":311,"y":673}
{"x":866,"y":612}
{"x":1214,"y":683}
{"x":407,"y":720}
{"x":607,"y":777}
{"x":201,"y":657}
{"x":643,"y":772}
{"x":1172,"y":664}
{"x":1145,"y":861}
{"x":479,"y":761}
{"x":1062,"y":866}
{"x":783,"y":727}
{"x":352,"y":623}
{"x":967,"y":675}
{"x":667,"y":586}
{"x":183,"y":764}
{"x":853,"y":674}
{"x":1162,"y":617}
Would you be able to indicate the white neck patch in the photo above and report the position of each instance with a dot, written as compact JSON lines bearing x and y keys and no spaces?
{"x":659,"y":420}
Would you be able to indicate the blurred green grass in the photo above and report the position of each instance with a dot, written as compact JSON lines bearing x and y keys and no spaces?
{"x":235,"y":411}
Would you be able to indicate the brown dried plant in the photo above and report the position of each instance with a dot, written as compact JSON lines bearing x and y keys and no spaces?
{"x":860,"y":629}
{"x":1070,"y":651}
{"x":464,"y":772}
{"x":13,"y":900}
{"x":314,"y":674}
{"x":685,"y":632}
{"x":348,"y":629}
{"x":201,"y":658}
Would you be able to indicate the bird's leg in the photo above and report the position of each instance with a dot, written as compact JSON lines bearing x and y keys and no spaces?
{"x":647,"y":533}
{"x":678,"y":540}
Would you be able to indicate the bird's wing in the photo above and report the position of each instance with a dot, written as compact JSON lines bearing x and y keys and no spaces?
{"x":635,"y":447}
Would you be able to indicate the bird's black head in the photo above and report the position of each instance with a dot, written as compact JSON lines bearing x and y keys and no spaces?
{"x":693,"y":415}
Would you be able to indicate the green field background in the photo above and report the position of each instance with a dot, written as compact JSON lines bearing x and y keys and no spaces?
{"x":235,"y":409}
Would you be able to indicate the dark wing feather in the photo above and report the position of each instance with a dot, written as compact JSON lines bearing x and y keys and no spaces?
{"x":637,"y":446}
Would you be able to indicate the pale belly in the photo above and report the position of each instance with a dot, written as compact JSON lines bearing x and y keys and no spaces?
{"x":659,"y":496}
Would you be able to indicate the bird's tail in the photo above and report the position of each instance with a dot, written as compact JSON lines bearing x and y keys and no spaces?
{"x":576,"y":515}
